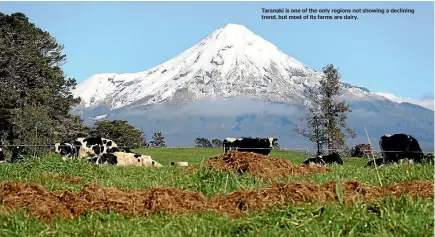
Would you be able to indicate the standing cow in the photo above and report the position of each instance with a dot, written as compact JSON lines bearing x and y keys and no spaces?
{"x":399,"y":146}
{"x":261,"y":146}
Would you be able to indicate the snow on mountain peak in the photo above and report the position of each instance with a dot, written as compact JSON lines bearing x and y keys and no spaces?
{"x":232,"y":61}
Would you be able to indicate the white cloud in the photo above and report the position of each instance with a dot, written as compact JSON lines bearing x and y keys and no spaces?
{"x":426,"y":102}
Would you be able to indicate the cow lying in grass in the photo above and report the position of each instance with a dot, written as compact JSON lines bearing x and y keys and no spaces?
{"x":325,"y":160}
{"x":124,"y":159}
{"x":92,"y":146}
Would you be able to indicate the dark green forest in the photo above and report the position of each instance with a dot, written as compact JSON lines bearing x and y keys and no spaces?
{"x":35,"y":93}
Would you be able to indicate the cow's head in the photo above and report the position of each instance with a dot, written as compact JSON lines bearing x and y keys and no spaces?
{"x":155,"y":164}
{"x":275,"y":140}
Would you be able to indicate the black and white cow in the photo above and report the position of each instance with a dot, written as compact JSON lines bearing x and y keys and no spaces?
{"x":66,"y":150}
{"x":399,"y":146}
{"x":246,"y":144}
{"x":124,"y":159}
{"x":2,"y":156}
{"x":91,"y":146}
{"x":315,"y":160}
{"x":324,"y":160}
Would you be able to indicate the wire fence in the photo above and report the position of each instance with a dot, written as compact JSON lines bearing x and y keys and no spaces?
{"x":305,"y":150}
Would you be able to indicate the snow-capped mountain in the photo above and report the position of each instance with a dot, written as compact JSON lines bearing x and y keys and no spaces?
{"x":231,"y":63}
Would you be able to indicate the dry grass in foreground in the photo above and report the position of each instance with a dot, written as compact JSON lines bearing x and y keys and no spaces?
{"x":48,"y":205}
{"x":261,"y":166}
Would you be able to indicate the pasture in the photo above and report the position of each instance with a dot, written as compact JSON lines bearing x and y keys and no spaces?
{"x":401,"y":215}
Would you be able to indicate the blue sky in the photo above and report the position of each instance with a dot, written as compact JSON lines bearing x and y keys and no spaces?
{"x":392,"y":53}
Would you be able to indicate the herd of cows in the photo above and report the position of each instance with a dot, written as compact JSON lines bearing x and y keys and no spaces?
{"x":98,"y":150}
{"x":394,"y":148}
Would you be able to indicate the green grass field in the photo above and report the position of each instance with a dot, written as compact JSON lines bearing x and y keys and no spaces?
{"x":402,"y":216}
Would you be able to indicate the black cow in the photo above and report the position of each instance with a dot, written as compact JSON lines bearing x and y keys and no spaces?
{"x":66,"y":150}
{"x":246,"y":144}
{"x":323,"y":160}
{"x":399,"y":146}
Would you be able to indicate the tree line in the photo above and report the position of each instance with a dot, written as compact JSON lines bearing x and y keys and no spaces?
{"x":125,"y":135}
{"x":36,"y":99}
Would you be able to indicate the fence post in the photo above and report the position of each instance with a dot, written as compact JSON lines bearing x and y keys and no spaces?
{"x":36,"y":137}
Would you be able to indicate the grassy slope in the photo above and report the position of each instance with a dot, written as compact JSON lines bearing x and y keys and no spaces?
{"x":402,"y":217}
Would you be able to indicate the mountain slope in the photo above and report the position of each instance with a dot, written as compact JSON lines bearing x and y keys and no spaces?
{"x":234,"y":82}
